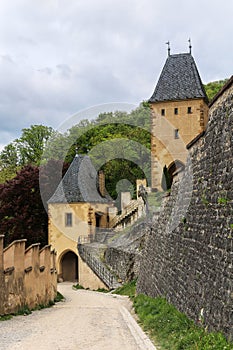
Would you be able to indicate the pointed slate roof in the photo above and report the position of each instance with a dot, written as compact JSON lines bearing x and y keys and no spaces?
{"x":80,"y":184}
{"x":179,"y":80}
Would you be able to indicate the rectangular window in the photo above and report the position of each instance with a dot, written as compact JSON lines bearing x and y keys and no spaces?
{"x":68,"y":219}
{"x":189,"y":110}
{"x":176,"y":111}
{"x":176,"y":133}
{"x":163,"y":112}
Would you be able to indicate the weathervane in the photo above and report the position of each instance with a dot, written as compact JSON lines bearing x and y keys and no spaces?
{"x":190,"y":46}
{"x":168,"y":47}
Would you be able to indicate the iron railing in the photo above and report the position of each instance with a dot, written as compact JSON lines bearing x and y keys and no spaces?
{"x":86,"y":238}
{"x":99,"y":269}
{"x":100,"y":235}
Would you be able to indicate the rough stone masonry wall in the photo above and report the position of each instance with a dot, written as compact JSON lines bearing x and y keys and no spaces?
{"x":189,"y":252}
{"x":123,"y":254}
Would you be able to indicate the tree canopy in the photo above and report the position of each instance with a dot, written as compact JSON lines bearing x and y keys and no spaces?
{"x":214,"y":87}
{"x":118,"y":143}
{"x":22,"y":212}
{"x":32,"y":142}
{"x":27,"y":149}
{"x":123,"y":137}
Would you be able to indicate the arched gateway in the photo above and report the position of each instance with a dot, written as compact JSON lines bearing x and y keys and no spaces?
{"x":175,"y":167}
{"x":69,"y":267}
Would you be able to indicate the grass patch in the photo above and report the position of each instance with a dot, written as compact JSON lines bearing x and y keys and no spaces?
{"x":59,"y":297}
{"x":127,"y":289}
{"x":5,"y":317}
{"x":172,"y":329}
{"x":101,"y":290}
{"x":169,"y":328}
{"x":23,"y":311}
{"x":44,"y":306}
{"x":78,"y":286}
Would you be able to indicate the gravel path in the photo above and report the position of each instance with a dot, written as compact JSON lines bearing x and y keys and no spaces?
{"x":85,"y":320}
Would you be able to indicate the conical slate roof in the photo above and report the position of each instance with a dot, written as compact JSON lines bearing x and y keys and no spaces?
{"x":179,"y":80}
{"x":80,"y":184}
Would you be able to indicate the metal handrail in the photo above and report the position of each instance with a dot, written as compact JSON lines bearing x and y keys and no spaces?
{"x":100,"y":232}
{"x":84,"y":239}
{"x":100,"y":270}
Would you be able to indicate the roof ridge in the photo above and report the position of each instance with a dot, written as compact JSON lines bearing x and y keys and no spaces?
{"x":181,"y":53}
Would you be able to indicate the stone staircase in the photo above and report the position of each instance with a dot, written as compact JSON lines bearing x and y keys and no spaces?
{"x":133,"y":207}
{"x":89,"y":247}
{"x":104,"y":236}
{"x":94,"y":262}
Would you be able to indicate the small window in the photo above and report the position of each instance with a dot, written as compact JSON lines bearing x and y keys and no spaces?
{"x":163,"y":111}
{"x":176,"y":111}
{"x":189,"y":110}
{"x":68,"y":219}
{"x":176,"y":133}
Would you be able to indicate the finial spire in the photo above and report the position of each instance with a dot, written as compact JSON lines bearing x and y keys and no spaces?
{"x":168,"y":47}
{"x":190,"y":46}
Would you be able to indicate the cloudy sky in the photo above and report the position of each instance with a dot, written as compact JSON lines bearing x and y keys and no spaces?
{"x":58,"y":57}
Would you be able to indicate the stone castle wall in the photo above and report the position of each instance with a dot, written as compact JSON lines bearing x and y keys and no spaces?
{"x":188,"y":256}
{"x":123,"y":254}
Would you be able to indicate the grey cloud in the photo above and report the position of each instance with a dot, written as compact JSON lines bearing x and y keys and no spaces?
{"x":64,"y":70}
{"x":25,"y":40}
{"x":45,"y":70}
{"x":59,"y":57}
{"x":7,"y":58}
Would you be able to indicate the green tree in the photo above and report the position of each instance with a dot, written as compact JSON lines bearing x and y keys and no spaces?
{"x":22,"y":211}
{"x":38,"y":141}
{"x":28,"y":149}
{"x":32,"y":143}
{"x":9,"y":156}
{"x":104,"y":138}
{"x":8,"y":162}
{"x":214,"y":87}
{"x":22,"y":214}
{"x":56,"y":147}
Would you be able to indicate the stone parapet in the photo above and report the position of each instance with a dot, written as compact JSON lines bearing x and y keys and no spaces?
{"x":27,"y":276}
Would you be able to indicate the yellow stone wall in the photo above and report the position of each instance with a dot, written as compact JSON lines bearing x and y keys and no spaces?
{"x":165,"y":148}
{"x":64,"y":239}
{"x":88,"y":279}
{"x":28,"y":277}
{"x":83,"y":220}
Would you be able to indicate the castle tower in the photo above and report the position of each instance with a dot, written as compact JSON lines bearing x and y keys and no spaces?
{"x":179,"y":113}
{"x":78,"y":208}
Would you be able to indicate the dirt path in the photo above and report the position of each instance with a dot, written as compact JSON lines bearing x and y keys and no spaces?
{"x":86,"y":320}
